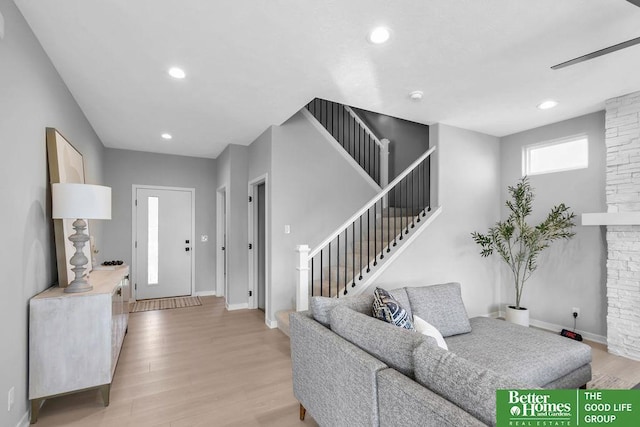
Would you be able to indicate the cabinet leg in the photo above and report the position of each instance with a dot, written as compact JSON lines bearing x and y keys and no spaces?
{"x":35,"y":410}
{"x":105,"y":390}
{"x":303,"y":412}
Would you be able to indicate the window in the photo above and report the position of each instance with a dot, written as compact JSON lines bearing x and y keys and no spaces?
{"x":556,"y":156}
{"x":152,"y":255}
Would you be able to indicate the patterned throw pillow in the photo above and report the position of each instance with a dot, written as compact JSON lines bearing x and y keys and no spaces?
{"x":388,"y":309}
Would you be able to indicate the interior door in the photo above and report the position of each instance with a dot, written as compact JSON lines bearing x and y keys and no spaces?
{"x":163,"y":243}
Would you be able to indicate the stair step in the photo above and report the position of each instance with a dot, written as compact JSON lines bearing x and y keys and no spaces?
{"x":282,"y":317}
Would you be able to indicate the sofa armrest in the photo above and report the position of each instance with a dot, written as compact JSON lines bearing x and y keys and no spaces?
{"x":332,"y":378}
{"x":404,"y":402}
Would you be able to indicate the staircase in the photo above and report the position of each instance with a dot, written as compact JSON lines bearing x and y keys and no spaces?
{"x":349,"y":260}
{"x":354,"y":136}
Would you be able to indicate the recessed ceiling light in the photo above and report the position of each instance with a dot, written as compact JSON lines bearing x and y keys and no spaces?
{"x":547,"y":104}
{"x":416,"y":95}
{"x":379,"y":35}
{"x":166,"y":136}
{"x":177,"y":73}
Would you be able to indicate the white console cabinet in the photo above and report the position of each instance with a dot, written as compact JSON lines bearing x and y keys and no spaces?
{"x":75,"y":338}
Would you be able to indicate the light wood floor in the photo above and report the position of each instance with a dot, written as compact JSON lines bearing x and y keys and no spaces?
{"x":205,"y":366}
{"x":196,"y":366}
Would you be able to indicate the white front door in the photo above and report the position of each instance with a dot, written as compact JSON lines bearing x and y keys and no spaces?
{"x":164,"y":245}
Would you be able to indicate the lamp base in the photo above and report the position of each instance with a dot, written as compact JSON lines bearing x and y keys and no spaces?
{"x":79,"y":260}
{"x":78,"y":285}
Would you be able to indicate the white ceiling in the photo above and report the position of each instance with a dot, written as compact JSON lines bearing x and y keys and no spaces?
{"x":483,"y":65}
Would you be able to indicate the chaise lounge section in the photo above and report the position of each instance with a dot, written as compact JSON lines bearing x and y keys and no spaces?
{"x":350,"y":368}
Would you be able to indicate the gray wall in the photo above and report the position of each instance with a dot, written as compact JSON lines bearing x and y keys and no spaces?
{"x":32,"y":97}
{"x":232,"y":173}
{"x":570,"y":274}
{"x":260,"y":155}
{"x":123,"y":168}
{"x":314,"y":189}
{"x":468,"y":181}
{"x":409,"y":140}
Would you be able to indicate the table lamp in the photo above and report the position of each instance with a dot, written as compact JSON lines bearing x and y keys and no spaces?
{"x":80,"y":202}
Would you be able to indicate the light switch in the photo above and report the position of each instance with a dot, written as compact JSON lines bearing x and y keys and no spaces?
{"x":204,"y":238}
{"x":287,"y":229}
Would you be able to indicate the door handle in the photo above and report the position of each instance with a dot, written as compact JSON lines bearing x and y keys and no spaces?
{"x":223,"y":248}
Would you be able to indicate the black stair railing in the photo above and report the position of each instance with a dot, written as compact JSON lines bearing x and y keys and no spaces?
{"x":352,"y":134}
{"x":345,"y":257}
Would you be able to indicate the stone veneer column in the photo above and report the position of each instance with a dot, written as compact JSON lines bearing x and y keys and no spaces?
{"x":623,"y":195}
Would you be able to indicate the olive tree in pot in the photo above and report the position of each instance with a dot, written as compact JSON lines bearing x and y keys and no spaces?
{"x":519,"y":244}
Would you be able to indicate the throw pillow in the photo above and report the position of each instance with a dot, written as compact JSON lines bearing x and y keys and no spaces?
{"x":426,"y":328}
{"x":442,"y":306}
{"x":388,"y":309}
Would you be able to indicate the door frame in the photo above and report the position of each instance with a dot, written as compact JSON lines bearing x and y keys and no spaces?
{"x":252,"y":253}
{"x":134,"y":232}
{"x":222,"y":230}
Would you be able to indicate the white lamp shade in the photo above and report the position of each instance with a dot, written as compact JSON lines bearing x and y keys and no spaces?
{"x":81,"y":201}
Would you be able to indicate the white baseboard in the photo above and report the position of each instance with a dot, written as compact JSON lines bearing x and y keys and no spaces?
{"x":493,"y":314}
{"x":232,"y":307}
{"x":205,"y":294}
{"x":557,"y":328}
{"x":271,"y":323}
{"x":24,"y":421}
{"x":552,"y":327}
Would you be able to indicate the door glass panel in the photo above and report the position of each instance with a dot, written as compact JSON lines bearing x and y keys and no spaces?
{"x":152,"y":258}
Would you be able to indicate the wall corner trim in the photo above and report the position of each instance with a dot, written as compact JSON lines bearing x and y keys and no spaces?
{"x":232,"y":307}
{"x":272,"y":324}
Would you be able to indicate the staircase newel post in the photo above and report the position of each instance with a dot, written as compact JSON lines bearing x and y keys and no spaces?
{"x":384,"y":166}
{"x":302,"y":277}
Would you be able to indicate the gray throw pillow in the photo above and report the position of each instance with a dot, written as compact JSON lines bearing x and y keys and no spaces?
{"x":467,"y":385}
{"x":392,"y":345}
{"x":321,"y":306}
{"x":442,"y":306}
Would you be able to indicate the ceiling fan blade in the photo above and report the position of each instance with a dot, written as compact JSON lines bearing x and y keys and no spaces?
{"x":635,"y":2}
{"x":598,"y":53}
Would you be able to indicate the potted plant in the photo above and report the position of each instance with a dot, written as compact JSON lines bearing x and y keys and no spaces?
{"x":519,"y":244}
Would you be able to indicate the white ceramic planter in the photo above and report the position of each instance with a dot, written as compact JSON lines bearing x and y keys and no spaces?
{"x":519,"y":317}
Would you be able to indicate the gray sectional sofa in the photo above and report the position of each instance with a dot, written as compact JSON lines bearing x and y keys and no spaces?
{"x":351,"y":369}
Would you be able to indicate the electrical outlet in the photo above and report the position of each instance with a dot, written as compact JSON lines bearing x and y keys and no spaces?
{"x":11,"y":398}
{"x":575,"y":310}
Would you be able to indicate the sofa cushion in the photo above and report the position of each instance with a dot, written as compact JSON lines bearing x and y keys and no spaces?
{"x":392,"y":345}
{"x":386,"y":308}
{"x":529,"y":355}
{"x":442,"y":306}
{"x":426,"y":328}
{"x":321,"y":306}
{"x":464,"y":383}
